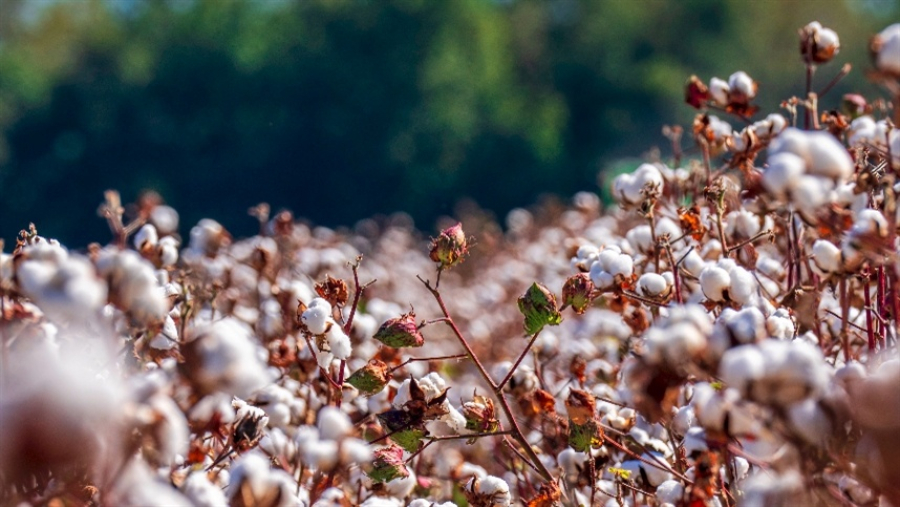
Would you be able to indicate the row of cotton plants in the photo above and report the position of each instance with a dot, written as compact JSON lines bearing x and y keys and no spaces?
{"x":724,"y":334}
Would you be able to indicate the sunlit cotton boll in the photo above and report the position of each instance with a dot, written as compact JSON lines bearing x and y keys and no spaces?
{"x":719,"y":91}
{"x":826,"y":257}
{"x":224,"y":357}
{"x":66,"y":288}
{"x":742,"y":86}
{"x":317,"y":316}
{"x":652,"y":285}
{"x":333,"y":424}
{"x":629,"y":188}
{"x":339,"y":342}
{"x":782,"y":172}
{"x":488,"y":491}
{"x":714,"y":281}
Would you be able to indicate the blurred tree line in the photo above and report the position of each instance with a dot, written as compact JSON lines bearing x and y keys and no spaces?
{"x":340,"y":109}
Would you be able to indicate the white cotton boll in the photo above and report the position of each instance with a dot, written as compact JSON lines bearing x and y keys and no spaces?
{"x":887,"y":56}
{"x":168,"y":251}
{"x":165,"y":218}
{"x":146,"y":236}
{"x":741,"y":224}
{"x":741,"y":366}
{"x":770,"y":267}
{"x":695,"y":441}
{"x":355,"y":451}
{"x":641,"y":238}
{"x":228,"y":358}
{"x":401,"y":487}
{"x":719,"y":91}
{"x":339,"y":342}
{"x":317,"y":316}
{"x":746,"y":325}
{"x":741,"y":83}
{"x":206,"y":237}
{"x":794,"y":370}
{"x":780,"y":325}
{"x":670,"y":491}
{"x":201,"y":492}
{"x":742,"y":288}
{"x":622,"y":265}
{"x":252,"y":477}
{"x":652,"y":284}
{"x":863,"y":130}
{"x":683,"y":420}
{"x":826,"y":256}
{"x":714,"y":282}
{"x":719,"y":128}
{"x":333,"y":424}
{"x":65,"y":290}
{"x":693,"y":263}
{"x":628,"y":188}
{"x":133,"y":285}
{"x":783,"y":170}
{"x":791,"y":140}
{"x":870,"y":221}
{"x":828,"y":157}
{"x":571,"y":462}
{"x":809,"y":421}
{"x":772,"y":125}
{"x":377,"y":501}
{"x":811,"y":193}
{"x":493,"y":490}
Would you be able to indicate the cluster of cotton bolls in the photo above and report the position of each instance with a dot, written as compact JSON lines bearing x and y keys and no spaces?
{"x":732,"y":342}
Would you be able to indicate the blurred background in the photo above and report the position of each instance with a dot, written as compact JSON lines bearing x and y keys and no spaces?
{"x":344,"y":109}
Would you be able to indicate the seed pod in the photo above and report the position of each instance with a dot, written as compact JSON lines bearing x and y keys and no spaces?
{"x":538,"y":305}
{"x":400,"y":332}
{"x":450,"y":247}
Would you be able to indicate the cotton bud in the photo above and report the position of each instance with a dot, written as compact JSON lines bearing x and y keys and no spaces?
{"x":633,"y":188}
{"x":388,"y":464}
{"x":818,"y":44}
{"x":577,"y":292}
{"x":885,"y":49}
{"x":719,"y":91}
{"x":317,"y":316}
{"x":853,"y":105}
{"x":488,"y":491}
{"x":400,"y":332}
{"x":743,"y":88}
{"x":480,"y":415}
{"x":371,"y":378}
{"x":538,"y":305}
{"x":653,"y":285}
{"x":450,"y":247}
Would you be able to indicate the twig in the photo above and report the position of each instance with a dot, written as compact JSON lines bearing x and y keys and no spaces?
{"x":518,"y":361}
{"x":757,"y":237}
{"x":417,"y":359}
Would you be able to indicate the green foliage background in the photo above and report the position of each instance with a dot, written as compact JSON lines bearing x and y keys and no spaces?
{"x":340,"y":109}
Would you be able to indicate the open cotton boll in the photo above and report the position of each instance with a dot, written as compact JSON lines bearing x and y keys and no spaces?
{"x":719,"y":91}
{"x":333,"y":424}
{"x":146,"y":237}
{"x":743,"y":287}
{"x":133,"y":285}
{"x":223,"y":357}
{"x":741,"y":224}
{"x":253,"y":480}
{"x":828,"y":157}
{"x":791,"y":140}
{"x":887,"y":49}
{"x":652,"y":285}
{"x":201,"y":492}
{"x":628,"y":188}
{"x":670,"y":491}
{"x":772,"y":125}
{"x":488,"y":491}
{"x":339,"y":342}
{"x":780,"y":325}
{"x":826,"y":257}
{"x":66,"y":290}
{"x":317,"y":316}
{"x":402,"y":487}
{"x":782,"y":173}
{"x":742,"y":366}
{"x":641,"y":238}
{"x":794,"y":370}
{"x":714,"y":282}
{"x":870,"y":221}
{"x":742,"y":84}
{"x":207,"y":237}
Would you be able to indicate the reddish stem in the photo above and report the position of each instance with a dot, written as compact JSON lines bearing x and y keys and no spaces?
{"x":870,"y":332}
{"x":518,"y":361}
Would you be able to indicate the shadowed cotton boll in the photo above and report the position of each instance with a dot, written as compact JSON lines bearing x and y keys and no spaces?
{"x":133,"y":285}
{"x":255,"y":483}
